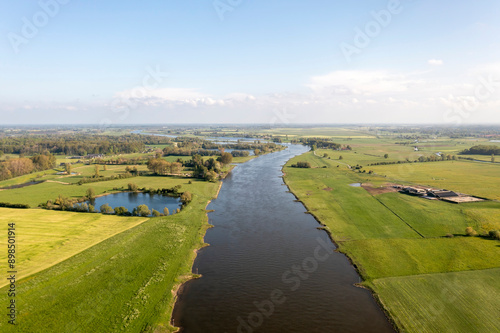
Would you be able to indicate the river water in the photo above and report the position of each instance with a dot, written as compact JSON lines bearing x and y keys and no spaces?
{"x":268,"y":268}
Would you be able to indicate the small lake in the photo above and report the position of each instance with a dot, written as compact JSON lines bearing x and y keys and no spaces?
{"x":131,"y":200}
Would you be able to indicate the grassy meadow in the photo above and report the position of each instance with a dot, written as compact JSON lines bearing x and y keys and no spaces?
{"x":49,"y":237}
{"x":410,"y":250}
{"x":117,"y":279}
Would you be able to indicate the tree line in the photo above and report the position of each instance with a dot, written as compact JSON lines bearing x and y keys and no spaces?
{"x":16,"y":167}
{"x":482,"y":150}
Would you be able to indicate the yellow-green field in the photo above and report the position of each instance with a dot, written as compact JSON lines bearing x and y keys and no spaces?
{"x":94,"y":273}
{"x":45,"y":238}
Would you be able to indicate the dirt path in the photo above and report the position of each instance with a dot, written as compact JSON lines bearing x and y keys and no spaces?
{"x":55,"y":181}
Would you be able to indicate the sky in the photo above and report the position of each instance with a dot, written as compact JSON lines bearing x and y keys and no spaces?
{"x":273,"y":62}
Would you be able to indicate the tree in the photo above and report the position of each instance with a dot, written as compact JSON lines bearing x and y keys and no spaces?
{"x":104,"y":167}
{"x":90,"y":193}
{"x":186,"y":197}
{"x":492,"y":158}
{"x":469,"y":231}
{"x":68,"y":168}
{"x":132,"y":187}
{"x":96,"y":175}
{"x":156,"y":213}
{"x":386,"y":156}
{"x":211,"y":176}
{"x":256,"y":152}
{"x":143,"y":211}
{"x":225,"y":158}
{"x":495,"y":234}
{"x":325,"y":155}
{"x":165,"y":211}
{"x":106,"y":209}
{"x":340,"y":157}
{"x":121,"y":211}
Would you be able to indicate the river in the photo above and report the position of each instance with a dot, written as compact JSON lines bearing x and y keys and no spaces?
{"x":268,"y":267}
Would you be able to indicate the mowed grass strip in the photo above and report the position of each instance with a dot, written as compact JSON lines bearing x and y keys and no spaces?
{"x":122,"y":284}
{"x":450,"y":302}
{"x":377,"y":258}
{"x":44,"y":238}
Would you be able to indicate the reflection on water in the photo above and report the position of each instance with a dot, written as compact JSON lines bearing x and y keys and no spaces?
{"x":131,"y":200}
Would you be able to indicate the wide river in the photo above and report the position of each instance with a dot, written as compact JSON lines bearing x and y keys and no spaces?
{"x":268,"y":268}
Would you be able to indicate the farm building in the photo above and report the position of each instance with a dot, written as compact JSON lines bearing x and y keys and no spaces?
{"x":442,"y":194}
{"x":414,"y":191}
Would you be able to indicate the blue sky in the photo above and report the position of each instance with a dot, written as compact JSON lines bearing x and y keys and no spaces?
{"x":254,"y":61}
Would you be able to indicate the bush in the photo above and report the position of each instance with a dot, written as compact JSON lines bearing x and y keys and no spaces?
{"x":156,"y":213}
{"x":305,"y":165}
{"x":132,"y":187}
{"x":9,"y":205}
{"x":143,"y":211}
{"x":121,"y":211}
{"x":106,"y":209}
{"x":165,"y":211}
{"x":469,"y":231}
{"x":186,"y":197}
{"x":495,"y":234}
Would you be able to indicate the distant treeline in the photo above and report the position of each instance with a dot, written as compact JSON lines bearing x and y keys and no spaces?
{"x":203,"y":149}
{"x":482,"y":150}
{"x":321,"y":143}
{"x":77,"y":144}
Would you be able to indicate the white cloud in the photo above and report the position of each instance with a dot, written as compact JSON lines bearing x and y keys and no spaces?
{"x":435,"y":62}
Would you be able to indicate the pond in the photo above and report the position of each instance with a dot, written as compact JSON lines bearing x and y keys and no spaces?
{"x":131,"y":200}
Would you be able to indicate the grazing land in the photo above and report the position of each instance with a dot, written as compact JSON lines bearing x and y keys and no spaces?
{"x":451,"y":302}
{"x":409,"y":250}
{"x":49,"y":237}
{"x":123,"y":283}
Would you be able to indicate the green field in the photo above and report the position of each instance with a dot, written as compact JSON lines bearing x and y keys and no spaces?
{"x":123,"y":283}
{"x":49,"y":237}
{"x":453,"y":302}
{"x":406,"y":248}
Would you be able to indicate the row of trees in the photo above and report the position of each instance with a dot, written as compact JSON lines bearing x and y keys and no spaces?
{"x":161,"y":167}
{"x":16,"y":167}
{"x":482,"y":150}
{"x":421,"y":159}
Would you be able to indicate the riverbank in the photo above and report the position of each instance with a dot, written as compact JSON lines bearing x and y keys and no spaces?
{"x":399,"y":246}
{"x":178,"y":288}
{"x":325,"y":228}
{"x":103,"y":287}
